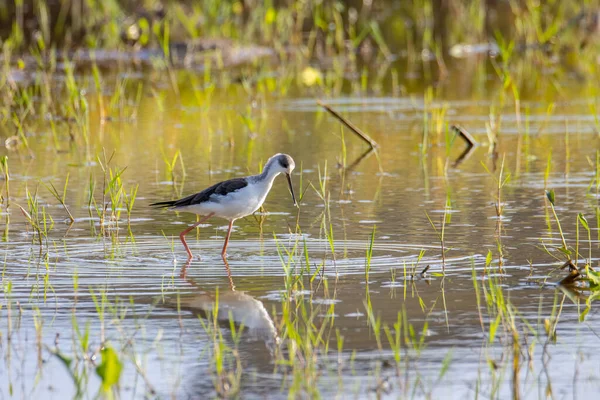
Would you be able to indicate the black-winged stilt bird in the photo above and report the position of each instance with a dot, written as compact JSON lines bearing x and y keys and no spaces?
{"x":234,"y":198}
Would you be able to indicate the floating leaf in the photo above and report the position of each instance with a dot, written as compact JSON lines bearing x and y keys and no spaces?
{"x":550,"y":195}
{"x":110,"y":368}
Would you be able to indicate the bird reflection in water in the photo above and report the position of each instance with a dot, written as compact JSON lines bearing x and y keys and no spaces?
{"x":237,"y":306}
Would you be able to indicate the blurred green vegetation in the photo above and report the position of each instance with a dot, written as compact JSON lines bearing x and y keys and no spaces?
{"x":321,"y":27}
{"x":68,"y":64}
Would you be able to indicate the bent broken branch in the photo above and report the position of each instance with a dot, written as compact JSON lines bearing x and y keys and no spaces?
{"x":349,"y":125}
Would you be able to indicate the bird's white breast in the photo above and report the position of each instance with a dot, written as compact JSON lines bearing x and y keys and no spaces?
{"x":234,"y":205}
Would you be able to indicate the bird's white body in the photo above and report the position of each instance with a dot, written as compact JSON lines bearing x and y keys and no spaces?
{"x":234,"y":198}
{"x":237,"y":204}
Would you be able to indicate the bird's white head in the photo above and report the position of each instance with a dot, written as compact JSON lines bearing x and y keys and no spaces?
{"x":282,"y":163}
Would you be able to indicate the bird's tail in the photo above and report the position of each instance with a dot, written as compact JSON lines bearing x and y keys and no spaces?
{"x":163,"y":204}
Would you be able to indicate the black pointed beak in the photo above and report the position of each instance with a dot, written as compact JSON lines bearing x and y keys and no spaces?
{"x":289,"y":179}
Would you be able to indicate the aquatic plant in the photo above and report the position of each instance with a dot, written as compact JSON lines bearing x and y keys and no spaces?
{"x":4,"y":167}
{"x":61,"y":198}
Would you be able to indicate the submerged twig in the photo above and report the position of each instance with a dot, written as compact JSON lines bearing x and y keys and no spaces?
{"x":359,"y":159}
{"x":349,"y":125}
{"x":469,"y":139}
{"x":463,"y":156}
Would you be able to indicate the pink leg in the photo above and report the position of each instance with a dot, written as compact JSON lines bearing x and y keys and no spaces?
{"x":182,"y":234}
{"x":231,"y":285}
{"x":183,"y":273}
{"x":223,"y":253}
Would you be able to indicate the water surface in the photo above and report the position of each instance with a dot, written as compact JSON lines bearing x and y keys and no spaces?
{"x":157,"y":317}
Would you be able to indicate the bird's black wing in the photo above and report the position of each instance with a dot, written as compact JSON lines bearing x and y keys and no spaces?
{"x":221,"y":188}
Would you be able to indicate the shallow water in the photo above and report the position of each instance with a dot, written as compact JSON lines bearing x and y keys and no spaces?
{"x":156,"y":316}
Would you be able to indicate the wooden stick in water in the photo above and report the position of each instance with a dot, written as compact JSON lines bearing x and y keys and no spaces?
{"x":349,"y":125}
{"x":462,"y":132}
